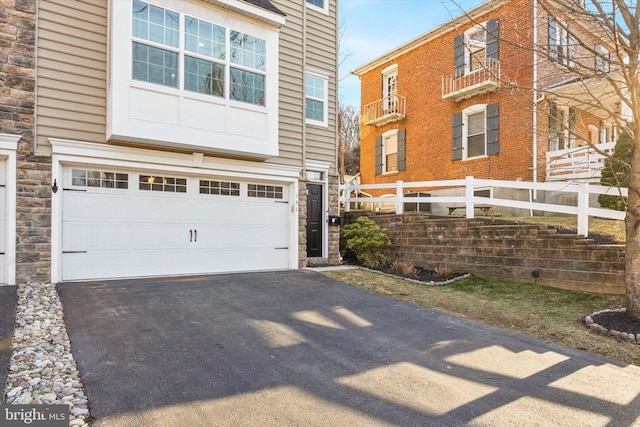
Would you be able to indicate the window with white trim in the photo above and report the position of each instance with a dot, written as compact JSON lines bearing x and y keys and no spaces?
{"x":604,"y":60}
{"x":162,"y":183}
{"x":474,"y":121}
{"x":207,"y":52}
{"x":390,"y":90}
{"x":322,"y":5}
{"x":265,"y":191}
{"x":220,"y":188}
{"x":316,"y":99}
{"x":390,"y":151}
{"x":477,"y":48}
{"x":475,"y":132}
{"x":561,"y":42}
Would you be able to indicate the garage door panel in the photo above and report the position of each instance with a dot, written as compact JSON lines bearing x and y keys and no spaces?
{"x":124,"y":236}
{"x":109,"y":233}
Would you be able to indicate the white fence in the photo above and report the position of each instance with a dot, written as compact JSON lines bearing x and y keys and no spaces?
{"x":353,"y":194}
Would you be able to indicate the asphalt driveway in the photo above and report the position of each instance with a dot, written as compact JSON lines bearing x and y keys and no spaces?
{"x":298,"y":348}
{"x":8,"y":299}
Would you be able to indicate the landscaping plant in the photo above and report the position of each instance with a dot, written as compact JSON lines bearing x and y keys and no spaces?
{"x":365,"y":241}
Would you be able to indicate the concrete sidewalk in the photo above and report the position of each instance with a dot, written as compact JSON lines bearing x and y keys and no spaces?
{"x":298,"y":348}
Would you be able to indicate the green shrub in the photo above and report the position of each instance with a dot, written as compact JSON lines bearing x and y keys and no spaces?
{"x":365,"y":241}
{"x":616,"y":174}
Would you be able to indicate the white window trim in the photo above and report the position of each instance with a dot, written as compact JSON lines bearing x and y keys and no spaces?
{"x":325,"y":102}
{"x":388,"y":134}
{"x":388,"y":103}
{"x":324,"y":9}
{"x":465,"y":128}
{"x":467,"y":46}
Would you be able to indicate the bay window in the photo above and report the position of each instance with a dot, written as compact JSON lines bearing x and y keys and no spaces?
{"x":215,"y":60}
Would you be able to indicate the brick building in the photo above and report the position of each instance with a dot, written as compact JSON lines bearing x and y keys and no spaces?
{"x":489,"y":94}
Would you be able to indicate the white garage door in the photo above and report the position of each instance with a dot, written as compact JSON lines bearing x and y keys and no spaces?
{"x":3,"y":218}
{"x":128,"y":224}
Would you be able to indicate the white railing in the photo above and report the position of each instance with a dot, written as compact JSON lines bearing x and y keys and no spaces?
{"x":469,"y":200}
{"x":579,"y":163}
{"x":477,"y":81}
{"x":385,"y":110}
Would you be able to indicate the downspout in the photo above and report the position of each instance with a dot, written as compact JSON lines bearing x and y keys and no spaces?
{"x":304,"y":79}
{"x":535,"y":93}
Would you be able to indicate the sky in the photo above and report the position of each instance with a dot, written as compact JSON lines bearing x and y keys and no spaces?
{"x":374,"y":27}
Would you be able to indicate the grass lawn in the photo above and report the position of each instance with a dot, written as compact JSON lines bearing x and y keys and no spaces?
{"x":602,"y":226}
{"x":546,"y":313}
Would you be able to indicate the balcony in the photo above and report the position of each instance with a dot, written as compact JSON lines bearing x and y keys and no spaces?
{"x":476,"y":82}
{"x":385,"y":110}
{"x":583,"y":163}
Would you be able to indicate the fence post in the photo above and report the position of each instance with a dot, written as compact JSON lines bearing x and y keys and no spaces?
{"x":347,"y":193}
{"x":468,"y":196}
{"x":583,"y":209}
{"x":399,"y":204}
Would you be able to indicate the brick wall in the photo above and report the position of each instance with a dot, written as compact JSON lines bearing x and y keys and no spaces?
{"x":511,"y":252}
{"x":17,"y":104}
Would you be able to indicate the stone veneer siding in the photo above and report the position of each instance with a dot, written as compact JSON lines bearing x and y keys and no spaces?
{"x":510,"y":252}
{"x":17,"y":116}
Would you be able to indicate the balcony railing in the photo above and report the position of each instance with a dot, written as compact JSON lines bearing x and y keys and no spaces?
{"x":578,"y":163}
{"x":385,"y":110}
{"x":482,"y":80}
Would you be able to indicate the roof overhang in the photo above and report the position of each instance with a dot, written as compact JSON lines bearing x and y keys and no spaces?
{"x":251,"y":10}
{"x":451,"y":25}
{"x":596,"y":95}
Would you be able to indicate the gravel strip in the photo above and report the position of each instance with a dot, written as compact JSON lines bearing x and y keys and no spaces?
{"x":42,"y":369}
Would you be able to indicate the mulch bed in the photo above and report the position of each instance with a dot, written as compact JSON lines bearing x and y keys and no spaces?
{"x":618,"y":321}
{"x":423,"y":275}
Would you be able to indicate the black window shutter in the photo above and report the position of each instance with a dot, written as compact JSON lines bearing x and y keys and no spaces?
{"x":456,"y":137}
{"x":378,"y":155}
{"x":553,"y":34}
{"x":402,"y":149}
{"x":492,"y":39}
{"x":493,"y":127}
{"x":458,"y":56}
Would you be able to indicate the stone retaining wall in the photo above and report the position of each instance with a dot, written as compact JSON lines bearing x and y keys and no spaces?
{"x":526,"y":253}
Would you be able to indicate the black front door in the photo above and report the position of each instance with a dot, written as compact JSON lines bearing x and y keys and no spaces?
{"x":314,"y":220}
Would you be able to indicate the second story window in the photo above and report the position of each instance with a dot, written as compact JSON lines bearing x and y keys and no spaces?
{"x":390,"y":90}
{"x":561,"y":42}
{"x":322,"y":5}
{"x":316,"y":99}
{"x":209,"y":59}
{"x":476,"y":49}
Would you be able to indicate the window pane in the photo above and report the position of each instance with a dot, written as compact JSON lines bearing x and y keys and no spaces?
{"x":155,"y":24}
{"x":203,"y":76}
{"x":392,"y":162}
{"x":247,"y":87}
{"x":315,"y":87}
{"x":319,"y":3}
{"x":315,"y":110}
{"x":475,"y":146}
{"x":204,"y":38}
{"x":154,"y":65}
{"x":476,"y":123}
{"x":248,"y":51}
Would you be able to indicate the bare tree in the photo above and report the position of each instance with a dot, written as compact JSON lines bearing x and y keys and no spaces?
{"x":348,"y":140}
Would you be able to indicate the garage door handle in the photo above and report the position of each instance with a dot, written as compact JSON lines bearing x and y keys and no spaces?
{"x":191,"y":235}
{"x":195,"y":235}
